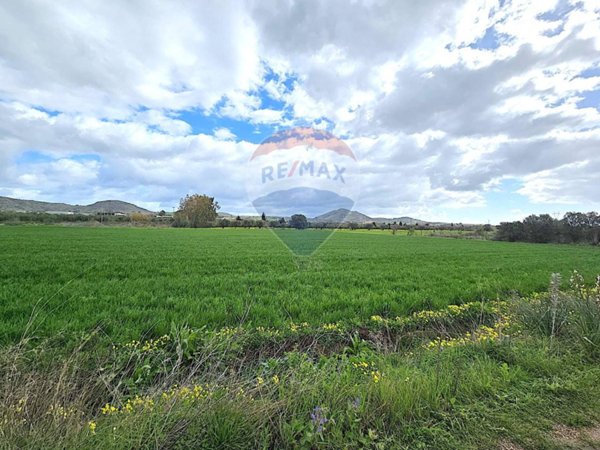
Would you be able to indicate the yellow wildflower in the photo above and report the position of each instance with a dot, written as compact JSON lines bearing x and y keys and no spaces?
{"x":109,"y":409}
{"x":376,"y":375}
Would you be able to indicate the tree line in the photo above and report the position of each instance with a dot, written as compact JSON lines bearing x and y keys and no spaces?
{"x":201,"y":211}
{"x":574,"y":227}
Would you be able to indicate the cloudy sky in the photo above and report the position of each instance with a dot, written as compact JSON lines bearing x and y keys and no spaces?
{"x":459,"y":111}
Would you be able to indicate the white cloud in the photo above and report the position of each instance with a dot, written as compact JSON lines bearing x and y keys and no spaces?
{"x":108,"y":59}
{"x":224,"y":134}
{"x":436,"y":119}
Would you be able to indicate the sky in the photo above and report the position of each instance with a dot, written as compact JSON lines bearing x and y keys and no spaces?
{"x":461,"y":111}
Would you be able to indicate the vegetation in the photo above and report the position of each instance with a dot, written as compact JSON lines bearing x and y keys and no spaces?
{"x":136,"y":281}
{"x":463,"y":377}
{"x":135,"y":218}
{"x":573,"y":228}
{"x":124,"y":338}
{"x":298,"y":221}
{"x":196,"y":211}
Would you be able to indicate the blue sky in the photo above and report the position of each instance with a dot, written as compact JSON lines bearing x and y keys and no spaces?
{"x":465,"y":112}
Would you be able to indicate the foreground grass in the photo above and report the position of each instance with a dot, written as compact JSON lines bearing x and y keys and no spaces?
{"x":136,"y":282}
{"x":463,"y":377}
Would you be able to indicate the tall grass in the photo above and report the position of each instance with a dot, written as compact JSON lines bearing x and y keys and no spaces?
{"x":492,"y":372}
{"x":574,"y":313}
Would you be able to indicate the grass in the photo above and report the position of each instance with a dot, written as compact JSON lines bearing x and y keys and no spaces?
{"x":334,"y":389}
{"x":136,"y":282}
{"x":164,"y":338}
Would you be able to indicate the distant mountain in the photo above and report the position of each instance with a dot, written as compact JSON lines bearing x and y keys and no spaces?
{"x":347,"y":216}
{"x":105,"y":206}
{"x":342,"y":215}
{"x":405,"y":220}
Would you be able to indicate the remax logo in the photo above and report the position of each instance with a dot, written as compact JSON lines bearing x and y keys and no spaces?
{"x":302,"y":171}
{"x":302,"y":168}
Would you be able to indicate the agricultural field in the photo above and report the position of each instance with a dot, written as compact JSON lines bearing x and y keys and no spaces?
{"x":132,"y":282}
{"x":222,"y":338}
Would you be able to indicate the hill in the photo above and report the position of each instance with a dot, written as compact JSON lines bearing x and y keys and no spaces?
{"x":347,"y":216}
{"x":105,"y":206}
{"x":342,"y":215}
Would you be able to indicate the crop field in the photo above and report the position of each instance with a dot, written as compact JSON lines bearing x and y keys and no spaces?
{"x":132,"y":282}
{"x":127,"y":338}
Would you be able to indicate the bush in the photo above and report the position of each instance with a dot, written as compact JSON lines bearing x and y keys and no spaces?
{"x":573,"y":315}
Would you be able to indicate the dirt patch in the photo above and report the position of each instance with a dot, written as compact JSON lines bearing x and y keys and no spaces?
{"x":505,"y":444}
{"x":577,"y":438}
{"x":593,"y":433}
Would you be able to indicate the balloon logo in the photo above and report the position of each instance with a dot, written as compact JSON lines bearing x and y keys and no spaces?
{"x":303,"y":178}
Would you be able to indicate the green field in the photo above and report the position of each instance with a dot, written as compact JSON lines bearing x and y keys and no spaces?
{"x":134,"y":282}
{"x":148,"y":338}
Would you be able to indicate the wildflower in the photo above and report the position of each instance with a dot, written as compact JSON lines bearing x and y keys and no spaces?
{"x":128,"y":407}
{"x":331,"y":326}
{"x":275,"y":379}
{"x":92,"y":426}
{"x":318,"y":419}
{"x":260,"y":381}
{"x":109,"y":409}
{"x":376,"y":375}
{"x":377,"y":318}
{"x":360,"y":364}
{"x":454,"y":309}
{"x":198,"y":392}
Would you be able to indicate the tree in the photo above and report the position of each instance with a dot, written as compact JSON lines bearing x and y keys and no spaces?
{"x":263,"y":217}
{"x":582,"y":227}
{"x":573,"y":227}
{"x":510,"y":231}
{"x":299,"y":221}
{"x":540,"y":228}
{"x":162,"y":213}
{"x":198,"y":210}
{"x":138,"y":217}
{"x":594,"y":223}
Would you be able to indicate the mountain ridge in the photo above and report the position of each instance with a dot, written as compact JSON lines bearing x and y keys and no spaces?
{"x":343,"y":215}
{"x":102,"y":206}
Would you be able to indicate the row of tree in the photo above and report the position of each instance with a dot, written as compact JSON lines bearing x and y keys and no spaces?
{"x":14,"y":217}
{"x":199,"y":211}
{"x":574,"y":227}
